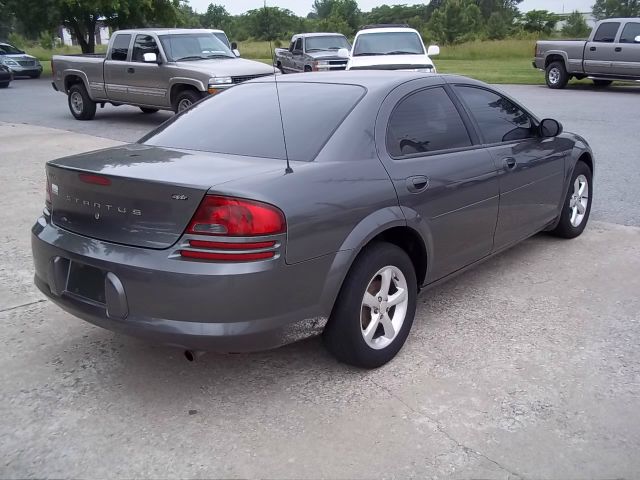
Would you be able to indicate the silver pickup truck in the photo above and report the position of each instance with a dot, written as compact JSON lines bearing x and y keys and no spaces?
{"x":313,"y":52}
{"x":612,"y":52}
{"x":155,"y":70}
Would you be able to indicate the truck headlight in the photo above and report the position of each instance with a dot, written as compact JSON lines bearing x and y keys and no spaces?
{"x":320,"y":65}
{"x":220,"y":81}
{"x":427,"y":69}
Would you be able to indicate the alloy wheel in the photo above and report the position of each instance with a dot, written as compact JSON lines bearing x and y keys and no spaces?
{"x":579,"y":200}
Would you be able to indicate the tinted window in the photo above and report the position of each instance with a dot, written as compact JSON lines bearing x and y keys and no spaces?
{"x":327,"y":42}
{"x":499,"y":119}
{"x":388,"y":43}
{"x":144,"y":44}
{"x":120,"y":48}
{"x":630,"y":32}
{"x":298,"y":45}
{"x":245,"y":120}
{"x":194,"y":46}
{"x":606,"y":32}
{"x":425,"y":121}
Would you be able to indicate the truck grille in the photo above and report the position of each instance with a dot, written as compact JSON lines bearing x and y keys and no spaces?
{"x":248,"y":77}
{"x":27,"y":63}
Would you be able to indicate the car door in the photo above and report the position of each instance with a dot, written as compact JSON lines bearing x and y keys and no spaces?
{"x":115,"y":68}
{"x":148,"y":83}
{"x":531,"y":167}
{"x":599,"y":53}
{"x":297,"y":56}
{"x":446,"y":183}
{"x":627,"y":60}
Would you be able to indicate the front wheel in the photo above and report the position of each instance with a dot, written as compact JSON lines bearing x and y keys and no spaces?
{"x":185,"y":99}
{"x":4,"y":84}
{"x":577,"y":204}
{"x":80,"y":104}
{"x":556,"y":75}
{"x":374,"y":311}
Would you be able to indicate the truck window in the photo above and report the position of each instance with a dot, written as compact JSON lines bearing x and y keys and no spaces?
{"x":630,"y":32}
{"x":606,"y":32}
{"x":144,"y":44}
{"x":298,"y":46}
{"x":223,"y":38}
{"x":120,"y":48}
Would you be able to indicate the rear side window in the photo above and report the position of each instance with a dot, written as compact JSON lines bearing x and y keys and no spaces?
{"x":630,"y":32}
{"x":245,"y":120}
{"x":120,"y":48}
{"x":423,"y":122}
{"x":499,"y":119}
{"x":606,"y":32}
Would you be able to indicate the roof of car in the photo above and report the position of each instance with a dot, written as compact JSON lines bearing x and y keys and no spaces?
{"x":317,"y":34}
{"x":167,"y":31}
{"x":387,"y":30}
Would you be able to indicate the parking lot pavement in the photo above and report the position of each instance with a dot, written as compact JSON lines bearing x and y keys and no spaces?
{"x":606,"y":118}
{"x":525,"y":367}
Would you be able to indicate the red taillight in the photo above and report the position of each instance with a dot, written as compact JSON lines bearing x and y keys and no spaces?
{"x":94,"y":179}
{"x":227,"y":216}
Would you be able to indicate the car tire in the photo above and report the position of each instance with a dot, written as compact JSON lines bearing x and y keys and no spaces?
{"x":185,"y":99}
{"x":80,"y":104}
{"x":602,"y":83}
{"x":149,"y":110}
{"x":577,"y":203}
{"x":4,"y":84}
{"x":556,"y":75}
{"x":364,"y":336}
{"x":35,"y":75}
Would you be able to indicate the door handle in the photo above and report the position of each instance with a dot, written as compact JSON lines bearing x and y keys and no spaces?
{"x":131,"y":70}
{"x":593,"y":49}
{"x":618,"y":49}
{"x":510,"y":163}
{"x":417,"y":184}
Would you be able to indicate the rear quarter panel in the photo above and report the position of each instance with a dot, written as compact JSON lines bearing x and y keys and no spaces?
{"x":88,"y":68}
{"x":571,"y":52}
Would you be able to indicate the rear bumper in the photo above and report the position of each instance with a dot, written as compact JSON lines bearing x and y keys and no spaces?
{"x":538,"y":63}
{"x":189,"y":304}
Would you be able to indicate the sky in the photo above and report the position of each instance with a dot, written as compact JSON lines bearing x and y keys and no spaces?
{"x":302,"y":7}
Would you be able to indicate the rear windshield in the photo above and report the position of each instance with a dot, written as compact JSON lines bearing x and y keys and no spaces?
{"x":388,"y":43}
{"x":245,"y":120}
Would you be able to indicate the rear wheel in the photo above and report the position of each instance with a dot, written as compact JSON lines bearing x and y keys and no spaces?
{"x":577,"y":204}
{"x":185,"y":99}
{"x":149,"y":110}
{"x":80,"y":104}
{"x":4,"y":84}
{"x":602,"y":83}
{"x":374,"y":311}
{"x":307,"y":68}
{"x":556,"y":75}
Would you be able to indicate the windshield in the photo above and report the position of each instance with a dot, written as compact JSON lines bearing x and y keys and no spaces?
{"x":335,"y":42}
{"x":194,"y":46}
{"x":6,"y":49}
{"x":389,"y":43}
{"x":223,"y":38}
{"x":245,"y":120}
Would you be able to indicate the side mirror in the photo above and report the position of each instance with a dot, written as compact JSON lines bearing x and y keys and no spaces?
{"x":550,"y":128}
{"x":234,"y":46}
{"x":433,"y":50}
{"x":343,"y":53}
{"x":150,"y":57}
{"x":236,"y":52}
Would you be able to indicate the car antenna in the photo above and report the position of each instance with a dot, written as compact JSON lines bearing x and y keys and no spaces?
{"x":275,"y":80}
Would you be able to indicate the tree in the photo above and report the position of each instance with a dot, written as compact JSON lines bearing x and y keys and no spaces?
{"x":539,"y":21}
{"x":455,"y":21}
{"x":498,"y":25}
{"x":616,"y":8}
{"x":323,"y":8}
{"x":216,"y":16}
{"x":575,"y":26}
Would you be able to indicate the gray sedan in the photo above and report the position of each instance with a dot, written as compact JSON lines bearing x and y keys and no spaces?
{"x":294,"y":216}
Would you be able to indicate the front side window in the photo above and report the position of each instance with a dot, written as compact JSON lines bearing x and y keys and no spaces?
{"x":606,"y":32}
{"x":194,"y":46}
{"x":499,"y":119}
{"x":327,"y":42}
{"x":424,"y":122}
{"x":298,"y":45}
{"x":223,"y":38}
{"x":630,"y":33}
{"x":388,"y":43}
{"x":144,"y":44}
{"x":245,"y":120}
{"x":120,"y":48}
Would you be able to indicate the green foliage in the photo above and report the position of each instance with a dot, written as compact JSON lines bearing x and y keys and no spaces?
{"x":616,"y":8}
{"x":498,"y":26}
{"x":456,"y":21}
{"x":539,"y":21}
{"x":575,"y":26}
{"x":216,"y":17}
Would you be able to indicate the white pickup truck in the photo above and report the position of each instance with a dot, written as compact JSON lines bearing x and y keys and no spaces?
{"x":391,"y":47}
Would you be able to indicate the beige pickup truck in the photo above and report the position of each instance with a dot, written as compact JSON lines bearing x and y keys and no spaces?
{"x":154,"y":69}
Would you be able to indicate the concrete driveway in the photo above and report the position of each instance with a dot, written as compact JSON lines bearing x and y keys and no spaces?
{"x":526,"y":367}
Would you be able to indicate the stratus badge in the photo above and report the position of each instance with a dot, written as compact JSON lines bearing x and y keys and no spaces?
{"x":176,"y":196}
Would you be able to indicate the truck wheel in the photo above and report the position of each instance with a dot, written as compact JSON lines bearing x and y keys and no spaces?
{"x":185,"y":99}
{"x":4,"y":84}
{"x":80,"y":104}
{"x":148,"y":110}
{"x":602,"y":83}
{"x":374,"y":311}
{"x":556,"y":75}
{"x":279,"y":67}
{"x":307,"y":68}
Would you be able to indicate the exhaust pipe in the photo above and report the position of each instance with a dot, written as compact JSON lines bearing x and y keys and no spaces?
{"x":193,"y":355}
